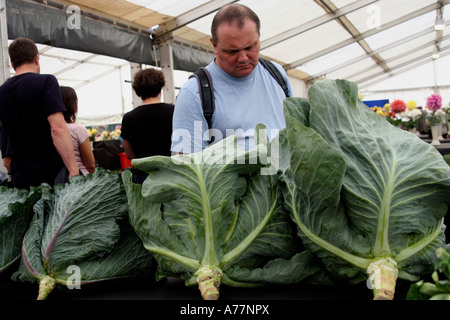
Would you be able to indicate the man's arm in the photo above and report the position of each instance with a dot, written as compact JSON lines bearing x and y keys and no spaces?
{"x":7,"y":163}
{"x":63,"y":142}
{"x":128,"y":149}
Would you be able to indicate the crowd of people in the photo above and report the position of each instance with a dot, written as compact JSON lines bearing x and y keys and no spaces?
{"x":42,"y":142}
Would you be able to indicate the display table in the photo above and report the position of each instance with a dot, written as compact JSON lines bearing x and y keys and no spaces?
{"x":171,"y":299}
{"x":175,"y":289}
{"x":443,"y":148}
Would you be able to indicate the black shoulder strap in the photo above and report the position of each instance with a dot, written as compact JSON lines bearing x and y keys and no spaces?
{"x":276,"y":74}
{"x":206,"y":92}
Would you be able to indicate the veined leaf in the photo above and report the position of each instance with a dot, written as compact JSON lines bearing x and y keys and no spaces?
{"x":205,"y":213}
{"x":360,"y":189}
{"x":16,"y":211}
{"x":83,"y":225}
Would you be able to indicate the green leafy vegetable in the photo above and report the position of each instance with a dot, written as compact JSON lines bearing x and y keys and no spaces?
{"x":368,"y":198}
{"x":16,"y":211}
{"x":440,"y":289}
{"x":447,"y":158}
{"x":79,"y":234}
{"x":212,"y":217}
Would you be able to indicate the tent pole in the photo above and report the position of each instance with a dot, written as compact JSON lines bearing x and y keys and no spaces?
{"x":4,"y":72}
{"x":135,"y":68}
{"x":165,"y":46}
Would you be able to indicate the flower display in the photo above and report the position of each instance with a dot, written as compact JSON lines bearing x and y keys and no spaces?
{"x":379,"y":111}
{"x":110,"y":135}
{"x":411,"y":105}
{"x":434,"y":102}
{"x":92,"y":134}
{"x":409,"y":120}
{"x":105,"y":135}
{"x":388,"y":115}
{"x":360,"y":96}
{"x":416,"y":113}
{"x":398,"y":106}
{"x":446,"y":109}
{"x":115,"y":134}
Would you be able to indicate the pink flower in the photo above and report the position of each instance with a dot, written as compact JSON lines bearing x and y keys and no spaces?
{"x":434,"y":102}
{"x":398,"y":106}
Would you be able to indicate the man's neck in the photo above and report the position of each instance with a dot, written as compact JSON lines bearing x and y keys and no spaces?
{"x":26,"y":68}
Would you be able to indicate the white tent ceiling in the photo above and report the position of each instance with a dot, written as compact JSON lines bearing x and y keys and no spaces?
{"x":384,"y":46}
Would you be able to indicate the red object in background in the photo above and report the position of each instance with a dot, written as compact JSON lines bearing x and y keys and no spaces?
{"x":124,"y":161}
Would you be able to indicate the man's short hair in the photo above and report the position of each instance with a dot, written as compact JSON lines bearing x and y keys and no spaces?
{"x":231,"y":13}
{"x":22,"y":51}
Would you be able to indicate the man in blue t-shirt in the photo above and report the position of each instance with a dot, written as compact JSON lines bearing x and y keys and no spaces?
{"x":34,"y":131}
{"x":245,"y":92}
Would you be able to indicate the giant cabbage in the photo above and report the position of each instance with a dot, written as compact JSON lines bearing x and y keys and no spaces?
{"x":213,"y":218}
{"x":368,"y":198}
{"x":16,"y":211}
{"x":80,"y":235}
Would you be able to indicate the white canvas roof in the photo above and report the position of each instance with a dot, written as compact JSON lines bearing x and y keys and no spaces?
{"x":384,"y":46}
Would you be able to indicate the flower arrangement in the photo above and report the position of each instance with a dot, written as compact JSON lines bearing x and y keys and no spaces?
{"x":411,"y":105}
{"x":92,"y":134}
{"x":447,"y":111}
{"x":105,"y":135}
{"x":380,"y":111}
{"x":398,"y":106}
{"x":115,"y":134}
{"x":387,"y":114}
{"x":360,"y":96}
{"x":434,"y":104}
{"x":410,"y":119}
{"x":110,"y":135}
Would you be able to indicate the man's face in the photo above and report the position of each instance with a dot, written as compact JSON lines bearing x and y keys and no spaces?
{"x":237,"y":49}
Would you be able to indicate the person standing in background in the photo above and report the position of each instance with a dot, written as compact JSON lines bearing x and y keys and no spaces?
{"x":80,"y":136}
{"x":31,"y":112}
{"x":147,"y":129}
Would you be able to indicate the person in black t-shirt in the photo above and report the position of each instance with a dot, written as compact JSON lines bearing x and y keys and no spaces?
{"x":31,"y":112}
{"x":146,"y":130}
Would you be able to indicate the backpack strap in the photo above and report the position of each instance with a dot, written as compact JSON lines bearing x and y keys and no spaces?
{"x":276,"y":74}
{"x":206,"y":92}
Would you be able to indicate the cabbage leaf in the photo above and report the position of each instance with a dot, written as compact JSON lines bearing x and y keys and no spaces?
{"x":212,"y":217}
{"x":439,"y":288}
{"x":368,"y":198}
{"x":16,"y":212}
{"x":79,"y":235}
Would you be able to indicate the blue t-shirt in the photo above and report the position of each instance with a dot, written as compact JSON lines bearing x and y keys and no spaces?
{"x":240,"y":105}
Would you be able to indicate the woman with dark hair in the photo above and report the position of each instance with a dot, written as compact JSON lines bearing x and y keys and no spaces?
{"x":146,"y":130}
{"x":80,"y":137}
